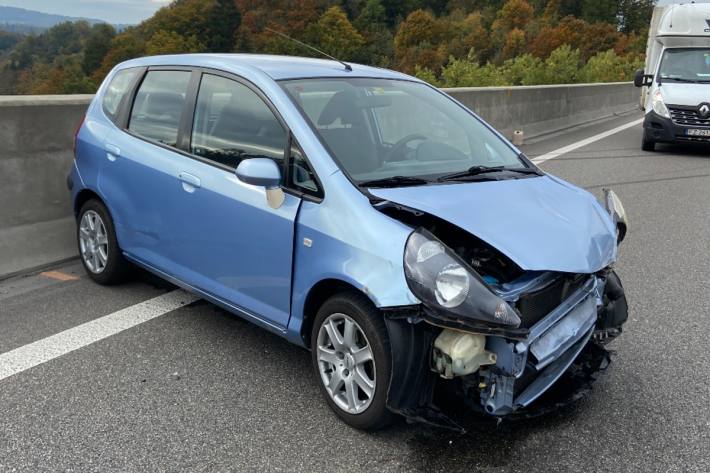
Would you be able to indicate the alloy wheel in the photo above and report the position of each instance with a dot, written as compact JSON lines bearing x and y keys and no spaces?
{"x":346,"y":363}
{"x":93,"y":242}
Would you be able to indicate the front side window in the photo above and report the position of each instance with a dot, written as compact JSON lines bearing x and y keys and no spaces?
{"x":685,"y":65}
{"x":116,"y":91}
{"x":158,"y":106}
{"x":233,"y":123}
{"x":381,"y":128}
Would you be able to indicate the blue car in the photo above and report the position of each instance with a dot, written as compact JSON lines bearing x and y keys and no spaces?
{"x":357,"y":212}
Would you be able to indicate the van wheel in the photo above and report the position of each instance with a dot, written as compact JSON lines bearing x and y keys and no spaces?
{"x":351,"y":357}
{"x":98,"y":247}
{"x":647,"y":144}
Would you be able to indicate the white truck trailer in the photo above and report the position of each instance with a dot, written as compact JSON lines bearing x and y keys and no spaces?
{"x":676,"y":80}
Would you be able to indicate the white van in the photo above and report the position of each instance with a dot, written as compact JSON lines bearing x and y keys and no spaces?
{"x":676,"y":81}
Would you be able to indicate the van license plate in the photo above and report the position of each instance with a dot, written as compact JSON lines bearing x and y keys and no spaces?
{"x":696,"y":132}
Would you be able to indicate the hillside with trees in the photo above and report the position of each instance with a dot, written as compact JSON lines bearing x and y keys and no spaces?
{"x":448,"y":43}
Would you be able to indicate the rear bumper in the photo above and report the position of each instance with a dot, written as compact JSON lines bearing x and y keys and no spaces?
{"x":661,"y":129}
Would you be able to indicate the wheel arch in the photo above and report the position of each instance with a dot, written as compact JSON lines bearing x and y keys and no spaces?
{"x":316,"y":297}
{"x":83,"y":196}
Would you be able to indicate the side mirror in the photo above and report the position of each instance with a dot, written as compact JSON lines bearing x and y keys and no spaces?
{"x":641,"y":79}
{"x":259,"y":172}
{"x":263,"y":172}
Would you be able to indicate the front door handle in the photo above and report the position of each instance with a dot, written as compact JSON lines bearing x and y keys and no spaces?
{"x":189,"y":182}
{"x":112,"y":152}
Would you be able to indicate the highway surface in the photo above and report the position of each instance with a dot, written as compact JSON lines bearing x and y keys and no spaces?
{"x":195,"y":388}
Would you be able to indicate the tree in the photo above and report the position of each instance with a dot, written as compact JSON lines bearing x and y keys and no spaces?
{"x":372,"y":17}
{"x":562,"y":67}
{"x":335,"y":35}
{"x":599,"y":11}
{"x":97,"y":45}
{"x":223,"y":21}
{"x":514,"y":43}
{"x":607,"y":66}
{"x":419,"y":42}
{"x":468,"y":37}
{"x":169,"y":42}
{"x":635,"y":15}
{"x":515,"y":14}
{"x":126,"y":45}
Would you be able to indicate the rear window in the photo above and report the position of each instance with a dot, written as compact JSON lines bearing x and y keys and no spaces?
{"x":158,"y":106}
{"x":116,"y":92}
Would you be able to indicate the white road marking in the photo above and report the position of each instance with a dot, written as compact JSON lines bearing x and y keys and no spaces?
{"x":28,"y":356}
{"x":566,"y":149}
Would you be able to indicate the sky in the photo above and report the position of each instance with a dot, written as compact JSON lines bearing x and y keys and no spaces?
{"x":112,"y":11}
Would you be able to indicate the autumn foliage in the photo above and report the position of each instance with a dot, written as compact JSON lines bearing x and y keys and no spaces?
{"x":449,"y":43}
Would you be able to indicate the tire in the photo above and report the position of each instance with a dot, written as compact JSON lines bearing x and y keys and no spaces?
{"x":337,"y":365}
{"x":647,"y":144}
{"x":99,"y":252}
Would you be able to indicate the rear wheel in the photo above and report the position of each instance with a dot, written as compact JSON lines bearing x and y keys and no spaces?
{"x":647,"y":144}
{"x":352,"y":360}
{"x":98,"y":248}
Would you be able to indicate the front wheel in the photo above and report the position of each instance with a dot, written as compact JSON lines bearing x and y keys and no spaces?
{"x":647,"y":144}
{"x":351,"y":357}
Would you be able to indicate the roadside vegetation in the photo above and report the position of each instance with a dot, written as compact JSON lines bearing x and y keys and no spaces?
{"x":452,"y":43}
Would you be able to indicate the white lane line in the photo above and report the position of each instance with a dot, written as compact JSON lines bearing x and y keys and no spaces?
{"x":33,"y":354}
{"x":566,"y":149}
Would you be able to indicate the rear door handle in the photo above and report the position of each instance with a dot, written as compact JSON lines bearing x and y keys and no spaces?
{"x":189,"y":182}
{"x":112,"y":152}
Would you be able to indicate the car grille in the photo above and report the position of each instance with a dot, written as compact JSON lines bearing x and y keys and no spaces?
{"x":688,"y":117}
{"x":535,"y":305}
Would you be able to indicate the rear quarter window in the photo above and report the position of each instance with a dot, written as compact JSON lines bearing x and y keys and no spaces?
{"x":116,"y":92}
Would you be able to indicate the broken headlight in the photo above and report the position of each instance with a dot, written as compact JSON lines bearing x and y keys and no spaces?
{"x":442,"y":281}
{"x":618,"y":214}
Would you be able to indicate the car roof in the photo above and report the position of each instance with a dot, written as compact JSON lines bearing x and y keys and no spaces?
{"x":276,"y":67}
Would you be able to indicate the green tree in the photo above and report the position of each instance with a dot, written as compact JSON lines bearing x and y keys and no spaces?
{"x":169,"y":42}
{"x":335,"y":35}
{"x":562,"y":67}
{"x":635,"y":15}
{"x":607,"y":66}
{"x":126,"y":45}
{"x":97,"y":45}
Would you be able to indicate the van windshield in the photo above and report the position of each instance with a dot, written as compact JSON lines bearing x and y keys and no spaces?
{"x":685,"y":65}
{"x":394,"y":130}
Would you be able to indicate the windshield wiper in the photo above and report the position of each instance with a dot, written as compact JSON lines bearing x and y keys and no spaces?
{"x":680,"y":79}
{"x":394,"y":181}
{"x":478,"y":170}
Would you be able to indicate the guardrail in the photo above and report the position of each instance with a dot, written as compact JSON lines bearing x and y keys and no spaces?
{"x":36,"y":135}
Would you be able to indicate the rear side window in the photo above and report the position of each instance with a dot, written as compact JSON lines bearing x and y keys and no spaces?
{"x":233,"y":123}
{"x":116,"y":92}
{"x":158,"y":106}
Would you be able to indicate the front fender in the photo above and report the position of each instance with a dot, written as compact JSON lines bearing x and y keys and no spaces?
{"x":344,"y":238}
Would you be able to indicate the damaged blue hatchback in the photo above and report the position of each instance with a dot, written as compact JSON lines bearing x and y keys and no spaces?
{"x":360,"y":213}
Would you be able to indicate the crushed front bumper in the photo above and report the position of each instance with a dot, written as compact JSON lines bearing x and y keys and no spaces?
{"x":528,"y":363}
{"x":528,"y":367}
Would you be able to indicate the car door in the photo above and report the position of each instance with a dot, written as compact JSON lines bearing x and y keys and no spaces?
{"x":220,"y":232}
{"x":140,"y":169}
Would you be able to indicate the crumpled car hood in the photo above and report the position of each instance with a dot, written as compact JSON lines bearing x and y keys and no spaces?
{"x":541,"y":223}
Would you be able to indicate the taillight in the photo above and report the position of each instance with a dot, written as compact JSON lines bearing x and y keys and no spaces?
{"x":76,"y":133}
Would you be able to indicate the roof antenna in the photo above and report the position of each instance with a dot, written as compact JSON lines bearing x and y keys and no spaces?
{"x":347,"y":66}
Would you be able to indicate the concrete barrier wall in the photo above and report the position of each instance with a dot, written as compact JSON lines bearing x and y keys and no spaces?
{"x":36,"y":138}
{"x":36,"y":141}
{"x":541,"y":109}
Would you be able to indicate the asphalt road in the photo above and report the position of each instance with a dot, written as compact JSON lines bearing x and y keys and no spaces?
{"x":198,"y":389}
